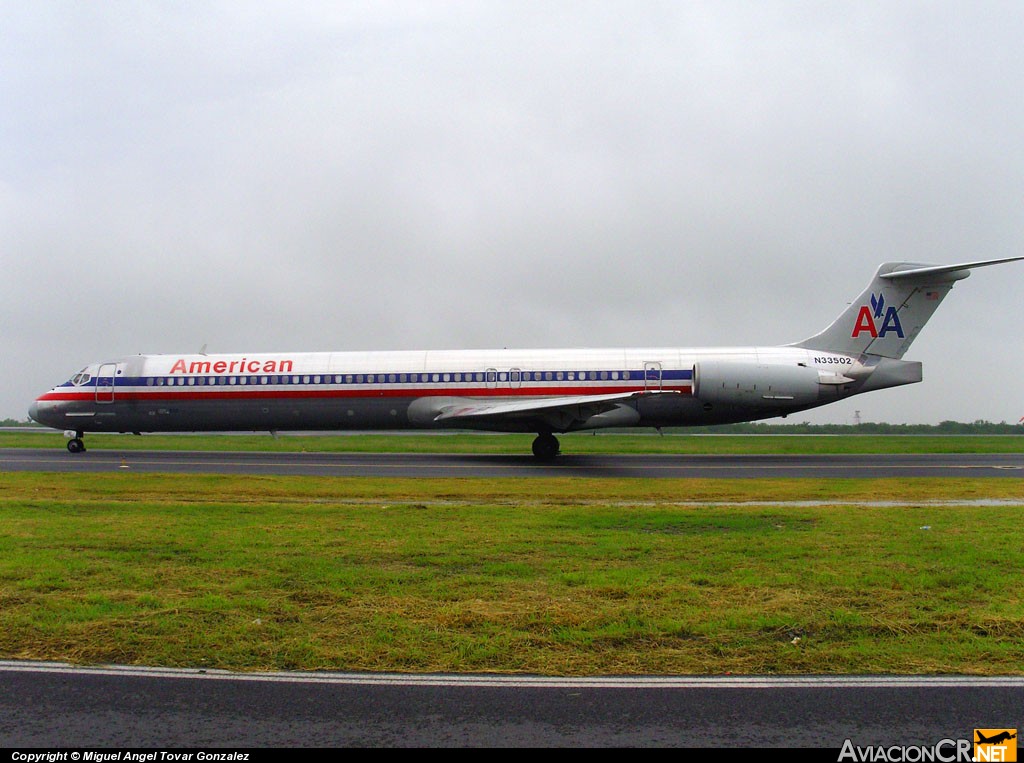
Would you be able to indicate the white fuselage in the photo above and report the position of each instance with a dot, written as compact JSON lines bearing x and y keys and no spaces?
{"x":387,"y":390}
{"x":542,"y":391}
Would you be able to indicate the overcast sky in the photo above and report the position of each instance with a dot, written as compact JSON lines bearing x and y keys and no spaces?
{"x":430,"y":175}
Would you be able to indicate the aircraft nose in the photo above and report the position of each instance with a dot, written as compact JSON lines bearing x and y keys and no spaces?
{"x":33,"y":412}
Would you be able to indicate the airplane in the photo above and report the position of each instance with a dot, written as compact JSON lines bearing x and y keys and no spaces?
{"x":547,"y":391}
{"x":1002,"y":736}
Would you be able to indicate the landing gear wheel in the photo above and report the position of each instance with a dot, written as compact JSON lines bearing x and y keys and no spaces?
{"x":545,"y":446}
{"x":75,"y":445}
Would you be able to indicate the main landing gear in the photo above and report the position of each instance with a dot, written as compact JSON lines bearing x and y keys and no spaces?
{"x":545,"y":447}
{"x":75,"y":444}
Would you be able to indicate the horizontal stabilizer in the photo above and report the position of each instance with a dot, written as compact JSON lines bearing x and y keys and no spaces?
{"x":934,"y":272}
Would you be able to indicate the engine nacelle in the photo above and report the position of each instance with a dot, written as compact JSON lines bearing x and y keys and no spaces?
{"x":755,"y":384}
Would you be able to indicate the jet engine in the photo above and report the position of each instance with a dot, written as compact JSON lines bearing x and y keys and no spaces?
{"x":753,"y":384}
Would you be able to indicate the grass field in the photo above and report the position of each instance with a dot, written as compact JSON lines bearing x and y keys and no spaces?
{"x":510,"y":443}
{"x":548,"y":576}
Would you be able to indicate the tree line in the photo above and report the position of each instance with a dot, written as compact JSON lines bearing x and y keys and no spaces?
{"x":978,"y":427}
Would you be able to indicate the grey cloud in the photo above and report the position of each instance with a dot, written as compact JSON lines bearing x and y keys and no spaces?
{"x":342,"y":176}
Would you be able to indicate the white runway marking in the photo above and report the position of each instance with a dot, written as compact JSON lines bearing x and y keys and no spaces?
{"x":528,"y":682}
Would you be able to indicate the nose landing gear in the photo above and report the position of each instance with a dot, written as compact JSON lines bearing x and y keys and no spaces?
{"x":75,"y":444}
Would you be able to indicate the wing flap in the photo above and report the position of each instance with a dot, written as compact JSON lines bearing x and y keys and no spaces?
{"x":559,"y":413}
{"x":505,"y":407}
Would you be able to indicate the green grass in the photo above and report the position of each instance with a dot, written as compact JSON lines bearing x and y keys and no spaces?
{"x":548,"y":576}
{"x":517,"y":444}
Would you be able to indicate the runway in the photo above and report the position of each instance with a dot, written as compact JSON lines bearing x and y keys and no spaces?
{"x":52,"y":705}
{"x":962,"y":465}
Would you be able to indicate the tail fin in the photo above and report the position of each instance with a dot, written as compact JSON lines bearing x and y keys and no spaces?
{"x":891,"y":312}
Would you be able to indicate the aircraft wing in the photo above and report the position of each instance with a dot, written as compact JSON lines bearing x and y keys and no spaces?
{"x":560,"y":413}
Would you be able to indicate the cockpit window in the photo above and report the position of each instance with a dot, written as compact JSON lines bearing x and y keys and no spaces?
{"x":80,"y":378}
